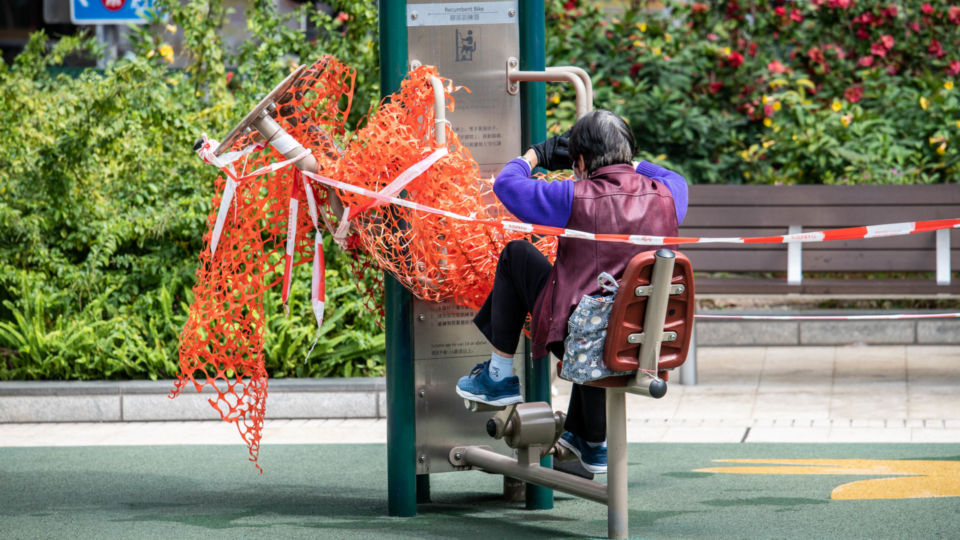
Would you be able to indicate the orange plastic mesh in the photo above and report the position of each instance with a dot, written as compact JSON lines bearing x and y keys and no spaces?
{"x":221,"y":346}
{"x":435,"y":257}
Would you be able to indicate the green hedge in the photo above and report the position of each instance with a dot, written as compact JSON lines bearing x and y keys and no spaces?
{"x":103,"y":203}
{"x":820,"y":91}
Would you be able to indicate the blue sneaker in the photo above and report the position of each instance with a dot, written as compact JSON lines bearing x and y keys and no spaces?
{"x":478,"y":386}
{"x":593,"y":459}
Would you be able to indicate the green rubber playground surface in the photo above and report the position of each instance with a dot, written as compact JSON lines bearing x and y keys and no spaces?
{"x":339,"y":491}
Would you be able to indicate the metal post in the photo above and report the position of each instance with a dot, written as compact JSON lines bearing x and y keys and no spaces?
{"x":533,"y":99}
{"x":557,"y":75}
{"x":401,"y":433}
{"x":943,"y":257}
{"x":688,"y":370}
{"x":617,"y":513}
{"x":794,"y":258}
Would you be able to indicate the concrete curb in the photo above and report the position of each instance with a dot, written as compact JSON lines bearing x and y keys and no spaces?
{"x":138,"y":401}
{"x":127,"y":401}
{"x":787,"y":333}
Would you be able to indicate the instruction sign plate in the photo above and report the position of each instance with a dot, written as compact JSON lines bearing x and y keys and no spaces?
{"x":460,"y":13}
{"x":474,"y":54}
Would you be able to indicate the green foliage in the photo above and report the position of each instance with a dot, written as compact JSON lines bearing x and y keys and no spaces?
{"x":103,"y":204}
{"x":826,"y":91}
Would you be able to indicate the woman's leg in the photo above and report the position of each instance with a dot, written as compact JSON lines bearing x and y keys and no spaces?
{"x":522,"y":272}
{"x":587,"y":413}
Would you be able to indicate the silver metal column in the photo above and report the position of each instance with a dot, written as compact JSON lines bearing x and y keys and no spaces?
{"x":617,"y":513}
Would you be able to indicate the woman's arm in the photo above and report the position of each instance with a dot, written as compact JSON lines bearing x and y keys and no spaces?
{"x":530,"y":200}
{"x":674,"y":182}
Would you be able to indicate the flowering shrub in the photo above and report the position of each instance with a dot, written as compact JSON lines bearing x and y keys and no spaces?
{"x":825,"y":91}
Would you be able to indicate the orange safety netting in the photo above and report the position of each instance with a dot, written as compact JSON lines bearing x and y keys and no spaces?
{"x":435,"y":257}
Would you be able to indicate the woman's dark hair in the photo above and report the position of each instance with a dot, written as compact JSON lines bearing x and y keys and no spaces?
{"x":602,"y":138}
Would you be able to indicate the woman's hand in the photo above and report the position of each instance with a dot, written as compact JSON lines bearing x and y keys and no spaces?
{"x":553,"y":154}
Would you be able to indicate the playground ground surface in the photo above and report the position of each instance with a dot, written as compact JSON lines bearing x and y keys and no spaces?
{"x":339,"y":491}
{"x":830,"y":442}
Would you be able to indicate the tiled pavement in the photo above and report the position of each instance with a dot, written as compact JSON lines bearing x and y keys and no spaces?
{"x":904,"y":393}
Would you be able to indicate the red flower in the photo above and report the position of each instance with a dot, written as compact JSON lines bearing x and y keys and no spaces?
{"x":776,"y":67}
{"x":892,"y":69}
{"x":697,"y":7}
{"x":780,"y":11}
{"x":927,"y":9}
{"x":715,"y":87}
{"x":815,"y":55}
{"x":735,"y":59}
{"x":768,"y":110}
{"x":935,"y":49}
{"x":891,"y":11}
{"x":570,"y":5}
{"x":954,"y":68}
{"x":796,"y":16}
{"x":854,"y":93}
{"x":343,"y":16}
{"x":887,"y":40}
{"x":862,"y":34}
{"x":229,"y":76}
{"x":712,"y":37}
{"x":878,"y":49}
{"x":836,"y":49}
{"x":752,"y":50}
{"x":634,"y":69}
{"x":953,"y":13}
{"x":842,"y":4}
{"x":914,"y":26}
{"x":865,"y":61}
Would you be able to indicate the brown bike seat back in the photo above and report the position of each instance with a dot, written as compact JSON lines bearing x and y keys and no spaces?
{"x":628,"y":312}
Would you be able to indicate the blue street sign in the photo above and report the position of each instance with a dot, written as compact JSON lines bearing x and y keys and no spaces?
{"x":109,"y":11}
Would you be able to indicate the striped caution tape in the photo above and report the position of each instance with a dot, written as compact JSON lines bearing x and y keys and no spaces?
{"x":848,"y":233}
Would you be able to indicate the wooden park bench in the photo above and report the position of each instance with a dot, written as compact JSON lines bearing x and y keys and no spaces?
{"x":909,"y":266}
{"x":906,"y":266}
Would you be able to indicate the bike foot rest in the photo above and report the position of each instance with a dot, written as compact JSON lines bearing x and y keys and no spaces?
{"x":477,"y":406}
{"x":562,"y":453}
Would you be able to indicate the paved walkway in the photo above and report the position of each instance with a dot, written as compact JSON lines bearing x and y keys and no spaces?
{"x":879,"y":394}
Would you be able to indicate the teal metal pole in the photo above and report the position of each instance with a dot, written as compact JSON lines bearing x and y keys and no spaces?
{"x":401,"y":432}
{"x":533,"y":99}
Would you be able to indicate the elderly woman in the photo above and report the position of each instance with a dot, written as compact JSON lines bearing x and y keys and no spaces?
{"x":607,"y":195}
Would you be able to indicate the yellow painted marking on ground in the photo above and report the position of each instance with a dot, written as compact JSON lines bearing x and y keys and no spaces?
{"x":911,"y":479}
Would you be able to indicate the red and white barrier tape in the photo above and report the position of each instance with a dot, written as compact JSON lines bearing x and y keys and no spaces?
{"x":386,"y":196}
{"x":850,"y":233}
{"x":878,"y":317}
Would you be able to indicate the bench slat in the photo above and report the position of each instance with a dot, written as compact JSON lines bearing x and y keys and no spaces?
{"x":818,"y":195}
{"x":813,"y":218}
{"x":824,"y":286}
{"x":903,"y":260}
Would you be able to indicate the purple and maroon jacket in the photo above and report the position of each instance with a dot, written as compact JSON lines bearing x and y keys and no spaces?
{"x":615,"y":199}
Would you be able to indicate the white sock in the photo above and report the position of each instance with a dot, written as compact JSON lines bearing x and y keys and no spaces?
{"x":501,"y":367}
{"x":597,"y":444}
